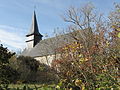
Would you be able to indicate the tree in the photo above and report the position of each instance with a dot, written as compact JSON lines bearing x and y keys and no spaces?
{"x":7,"y":74}
{"x":88,"y":59}
{"x":5,"y":55}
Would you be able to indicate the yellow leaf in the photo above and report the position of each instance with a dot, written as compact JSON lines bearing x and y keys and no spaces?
{"x":107,"y":43}
{"x":83,"y":87}
{"x":119,"y":34}
{"x":86,"y":59}
{"x":78,"y":82}
{"x":113,"y":26}
{"x":118,"y":29}
{"x":58,"y":87}
{"x":80,"y":55}
{"x":82,"y":59}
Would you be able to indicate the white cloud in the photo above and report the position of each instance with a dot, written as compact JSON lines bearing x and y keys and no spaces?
{"x":12,"y":29}
{"x":14,"y":40}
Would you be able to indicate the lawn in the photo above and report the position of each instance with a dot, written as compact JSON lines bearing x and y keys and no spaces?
{"x":30,"y":87}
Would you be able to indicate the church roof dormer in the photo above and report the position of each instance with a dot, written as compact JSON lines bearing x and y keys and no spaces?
{"x":34,"y":27}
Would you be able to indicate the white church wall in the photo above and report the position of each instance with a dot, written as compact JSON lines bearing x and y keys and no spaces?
{"x":30,"y":37}
{"x":30,"y":44}
{"x":47,"y":59}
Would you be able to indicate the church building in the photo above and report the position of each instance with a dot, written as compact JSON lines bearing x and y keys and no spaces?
{"x":42,"y":50}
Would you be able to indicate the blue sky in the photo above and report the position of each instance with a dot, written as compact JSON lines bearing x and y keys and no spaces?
{"x":16,"y":17}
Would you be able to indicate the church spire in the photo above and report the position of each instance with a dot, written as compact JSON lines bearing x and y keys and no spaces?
{"x":33,"y":36}
{"x":34,"y":27}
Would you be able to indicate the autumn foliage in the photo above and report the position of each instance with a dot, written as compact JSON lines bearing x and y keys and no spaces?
{"x":94,"y":62}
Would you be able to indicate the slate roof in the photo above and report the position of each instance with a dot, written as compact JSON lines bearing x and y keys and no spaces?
{"x":47,"y":46}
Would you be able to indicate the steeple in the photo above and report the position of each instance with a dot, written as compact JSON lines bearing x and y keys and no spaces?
{"x":33,"y":37}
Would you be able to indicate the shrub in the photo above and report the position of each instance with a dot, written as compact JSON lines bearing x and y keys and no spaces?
{"x":7,"y":73}
{"x":31,"y":71}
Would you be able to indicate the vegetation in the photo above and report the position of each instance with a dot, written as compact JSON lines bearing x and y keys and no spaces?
{"x":27,"y":87}
{"x":7,"y":74}
{"x":32,"y":71}
{"x":90,"y":62}
{"x":21,"y":71}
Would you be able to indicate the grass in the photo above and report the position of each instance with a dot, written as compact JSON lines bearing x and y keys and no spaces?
{"x":32,"y":86}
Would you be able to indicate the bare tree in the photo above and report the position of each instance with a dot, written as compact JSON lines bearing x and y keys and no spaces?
{"x":85,"y":20}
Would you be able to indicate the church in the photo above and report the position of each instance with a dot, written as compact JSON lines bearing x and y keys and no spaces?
{"x":43,"y":51}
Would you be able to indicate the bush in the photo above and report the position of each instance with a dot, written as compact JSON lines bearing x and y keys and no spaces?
{"x":31,"y":71}
{"x":7,"y":73}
